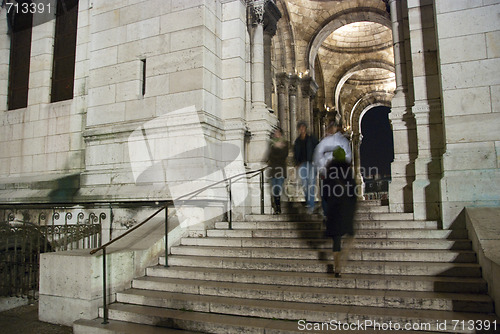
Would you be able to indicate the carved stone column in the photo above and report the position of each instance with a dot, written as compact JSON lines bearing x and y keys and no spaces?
{"x":402,"y":121}
{"x":263,"y":17}
{"x":324,"y":122}
{"x":283,"y":115}
{"x":356,"y":156}
{"x":257,"y":49}
{"x":268,"y":74}
{"x":308,"y":89}
{"x":292,"y":98}
{"x":428,"y":113}
{"x":316,"y":126}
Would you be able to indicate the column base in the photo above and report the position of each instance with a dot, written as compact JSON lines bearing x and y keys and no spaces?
{"x":400,"y":195}
{"x":426,"y":199}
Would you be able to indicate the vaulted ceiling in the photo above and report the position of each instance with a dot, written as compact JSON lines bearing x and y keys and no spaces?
{"x":345,"y":46}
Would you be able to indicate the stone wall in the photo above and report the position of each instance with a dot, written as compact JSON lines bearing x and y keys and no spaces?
{"x":469,"y":56}
{"x":131,"y":133}
{"x":43,"y":139}
{"x":161,"y":96}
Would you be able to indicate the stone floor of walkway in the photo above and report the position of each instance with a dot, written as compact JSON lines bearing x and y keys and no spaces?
{"x":24,"y":320}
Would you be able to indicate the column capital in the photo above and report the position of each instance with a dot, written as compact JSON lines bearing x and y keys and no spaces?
{"x":293,"y":84}
{"x":257,"y":10}
{"x":282,"y":78}
{"x":282,"y":83}
{"x":308,"y":86}
{"x":265,"y":12}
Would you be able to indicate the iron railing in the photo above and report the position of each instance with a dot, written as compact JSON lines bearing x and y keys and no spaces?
{"x":22,"y":242}
{"x":229,"y":181}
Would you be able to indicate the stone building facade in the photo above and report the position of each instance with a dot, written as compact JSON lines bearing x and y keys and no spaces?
{"x":158,"y":79}
{"x":169,"y":96}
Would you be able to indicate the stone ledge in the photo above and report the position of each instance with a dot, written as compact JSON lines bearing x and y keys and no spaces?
{"x":51,"y":188}
{"x":484,"y":231}
{"x":50,"y":181}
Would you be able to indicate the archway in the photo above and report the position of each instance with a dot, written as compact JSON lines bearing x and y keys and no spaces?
{"x":376,"y":151}
{"x":339,"y":20}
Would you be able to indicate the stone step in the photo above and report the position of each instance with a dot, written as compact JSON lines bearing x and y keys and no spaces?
{"x":360,"y":208}
{"x":197,"y":321}
{"x":363,"y":203}
{"x":372,"y":208}
{"x":383,"y":224}
{"x":383,"y":216}
{"x":456,"y":256}
{"x":351,"y":281}
{"x":262,"y":316}
{"x":338,"y":296}
{"x":318,"y":217}
{"x":365,"y":233}
{"x":463,"y":244}
{"x":95,"y":326}
{"x":325,"y":266}
{"x":373,"y":202}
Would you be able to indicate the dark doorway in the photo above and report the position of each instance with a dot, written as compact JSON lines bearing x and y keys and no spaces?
{"x":377,"y":146}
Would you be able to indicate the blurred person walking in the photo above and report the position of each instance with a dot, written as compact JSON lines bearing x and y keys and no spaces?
{"x":340,"y":193}
{"x":323,"y":155}
{"x":303,"y":155}
{"x":278,"y":152}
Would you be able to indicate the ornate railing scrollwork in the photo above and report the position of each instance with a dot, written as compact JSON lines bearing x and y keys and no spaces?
{"x":27,"y":231}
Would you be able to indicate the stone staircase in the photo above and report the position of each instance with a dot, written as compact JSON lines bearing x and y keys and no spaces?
{"x":274,"y":274}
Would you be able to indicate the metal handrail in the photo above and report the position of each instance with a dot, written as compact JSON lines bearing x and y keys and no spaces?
{"x":165,"y":207}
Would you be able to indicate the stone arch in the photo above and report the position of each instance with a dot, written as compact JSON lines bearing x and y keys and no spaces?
{"x":374,"y":99}
{"x":343,"y":18}
{"x":371,"y":100}
{"x":285,"y":41}
{"x":356,"y":68}
{"x":321,"y":94}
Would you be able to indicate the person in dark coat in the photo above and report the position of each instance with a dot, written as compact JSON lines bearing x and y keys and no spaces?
{"x":303,"y":151}
{"x":340,"y":188}
{"x":278,"y":152}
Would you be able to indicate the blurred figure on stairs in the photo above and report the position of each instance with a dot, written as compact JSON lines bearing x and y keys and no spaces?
{"x":339,"y":189}
{"x":303,"y":151}
{"x":277,"y":154}
{"x":333,"y":139}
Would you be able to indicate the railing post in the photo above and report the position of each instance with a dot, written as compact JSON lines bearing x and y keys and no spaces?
{"x":230,"y":211}
{"x":105,"y":306}
{"x":166,"y":235}
{"x":262,"y":192}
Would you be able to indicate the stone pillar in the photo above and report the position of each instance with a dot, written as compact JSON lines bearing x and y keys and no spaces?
{"x":268,"y":73}
{"x":258,"y":92}
{"x":260,"y":120}
{"x":402,"y":121}
{"x":324,"y":122}
{"x":428,"y":114}
{"x":316,"y":128}
{"x":308,"y":89}
{"x":283,"y":115}
{"x":356,"y":156}
{"x":292,"y":102}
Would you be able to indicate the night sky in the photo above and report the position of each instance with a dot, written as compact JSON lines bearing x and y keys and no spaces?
{"x":377,"y":147}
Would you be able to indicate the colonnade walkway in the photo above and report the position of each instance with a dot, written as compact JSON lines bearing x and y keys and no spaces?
{"x":274,"y":274}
